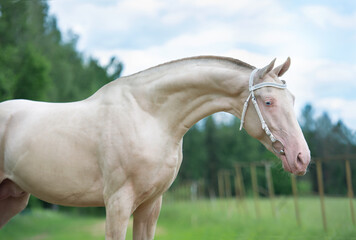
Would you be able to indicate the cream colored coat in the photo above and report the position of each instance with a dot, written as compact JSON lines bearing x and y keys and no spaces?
{"x":122,"y":147}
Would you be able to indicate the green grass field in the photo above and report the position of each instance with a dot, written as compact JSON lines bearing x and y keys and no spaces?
{"x":203,"y":219}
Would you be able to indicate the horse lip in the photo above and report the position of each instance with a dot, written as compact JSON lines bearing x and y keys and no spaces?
{"x":285,"y":164}
{"x":281,"y":153}
{"x":292,"y":169}
{"x":301,"y":173}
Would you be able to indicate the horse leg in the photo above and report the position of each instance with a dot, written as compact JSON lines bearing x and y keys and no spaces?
{"x":145,"y":220}
{"x":12,"y":200}
{"x":11,"y":206}
{"x":118,"y":211}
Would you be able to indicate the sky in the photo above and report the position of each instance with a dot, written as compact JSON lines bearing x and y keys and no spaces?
{"x":319,"y":36}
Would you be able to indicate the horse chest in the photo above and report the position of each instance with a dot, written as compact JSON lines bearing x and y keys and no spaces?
{"x":155,"y":178}
{"x":156,"y":165}
{"x":150,"y":166}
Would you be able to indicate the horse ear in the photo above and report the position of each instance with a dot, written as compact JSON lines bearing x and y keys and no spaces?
{"x":263,"y":71}
{"x":281,"y":69}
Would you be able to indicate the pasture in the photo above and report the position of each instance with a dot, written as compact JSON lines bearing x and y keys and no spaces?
{"x":201,"y":219}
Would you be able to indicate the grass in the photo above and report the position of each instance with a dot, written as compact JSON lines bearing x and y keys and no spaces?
{"x":225,"y":220}
{"x":203,"y":219}
{"x":45,"y":224}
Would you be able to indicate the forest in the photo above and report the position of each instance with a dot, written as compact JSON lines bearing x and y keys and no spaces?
{"x":39,"y":62}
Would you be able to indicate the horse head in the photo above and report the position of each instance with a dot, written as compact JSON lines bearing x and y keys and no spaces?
{"x":280,"y":132}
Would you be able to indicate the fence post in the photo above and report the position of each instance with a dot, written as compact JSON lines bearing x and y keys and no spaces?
{"x":237,"y":184}
{"x":240,"y":181}
{"x":350,"y":192}
{"x":240,"y":188}
{"x":227,"y":181}
{"x":255,"y":188}
{"x":221,"y":184}
{"x":321,"y":191}
{"x":270,"y":187}
{"x":295,"y":196}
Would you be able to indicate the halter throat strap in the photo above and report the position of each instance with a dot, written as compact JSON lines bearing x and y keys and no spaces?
{"x":251,"y":96}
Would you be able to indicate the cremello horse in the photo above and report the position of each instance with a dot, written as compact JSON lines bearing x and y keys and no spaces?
{"x":122,"y":147}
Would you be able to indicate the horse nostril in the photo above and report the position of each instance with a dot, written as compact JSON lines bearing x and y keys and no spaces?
{"x":300,"y":160}
{"x":300,"y":168}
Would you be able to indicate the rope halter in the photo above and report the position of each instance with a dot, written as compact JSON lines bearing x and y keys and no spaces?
{"x":251,"y":96}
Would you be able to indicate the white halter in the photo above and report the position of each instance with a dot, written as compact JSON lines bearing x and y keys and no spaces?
{"x":251,"y":96}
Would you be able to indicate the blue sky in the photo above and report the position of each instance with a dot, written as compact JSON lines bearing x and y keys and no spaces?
{"x":319,"y":36}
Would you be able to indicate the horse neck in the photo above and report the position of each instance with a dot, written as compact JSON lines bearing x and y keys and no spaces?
{"x":181,"y":95}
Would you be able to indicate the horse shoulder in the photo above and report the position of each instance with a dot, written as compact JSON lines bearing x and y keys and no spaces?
{"x":8,"y":110}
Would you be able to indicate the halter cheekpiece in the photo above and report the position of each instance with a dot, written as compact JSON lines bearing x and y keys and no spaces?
{"x":251,"y":96}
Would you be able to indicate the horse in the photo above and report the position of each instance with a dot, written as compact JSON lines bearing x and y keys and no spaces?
{"x":122,"y":147}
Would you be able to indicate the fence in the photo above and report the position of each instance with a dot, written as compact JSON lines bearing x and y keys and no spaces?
{"x":234,"y":179}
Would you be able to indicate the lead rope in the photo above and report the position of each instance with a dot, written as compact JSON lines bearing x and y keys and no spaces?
{"x":255,"y":104}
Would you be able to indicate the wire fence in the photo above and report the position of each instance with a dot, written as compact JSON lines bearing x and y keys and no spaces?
{"x":231,"y":183}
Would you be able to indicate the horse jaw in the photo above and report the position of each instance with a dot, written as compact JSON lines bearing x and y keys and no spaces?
{"x":296,"y":154}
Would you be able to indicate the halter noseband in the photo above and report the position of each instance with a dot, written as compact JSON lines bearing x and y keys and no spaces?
{"x":251,"y":96}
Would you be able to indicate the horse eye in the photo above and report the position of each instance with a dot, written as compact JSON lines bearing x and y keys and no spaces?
{"x":268,"y":103}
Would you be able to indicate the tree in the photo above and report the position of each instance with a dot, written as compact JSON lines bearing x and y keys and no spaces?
{"x":37,"y":64}
{"x":326,"y":139}
{"x":194,"y":155}
{"x":33,"y":78}
{"x":213,"y":159}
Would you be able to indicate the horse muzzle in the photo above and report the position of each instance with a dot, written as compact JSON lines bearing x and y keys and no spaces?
{"x":295,"y":160}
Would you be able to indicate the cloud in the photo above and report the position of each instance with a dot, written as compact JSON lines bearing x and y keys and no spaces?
{"x":265,"y":25}
{"x":339,"y":109}
{"x":325,"y":17}
{"x":144,"y":33}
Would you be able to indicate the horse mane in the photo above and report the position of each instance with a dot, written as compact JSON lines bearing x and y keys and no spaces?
{"x":231,"y":62}
{"x":234,"y":61}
